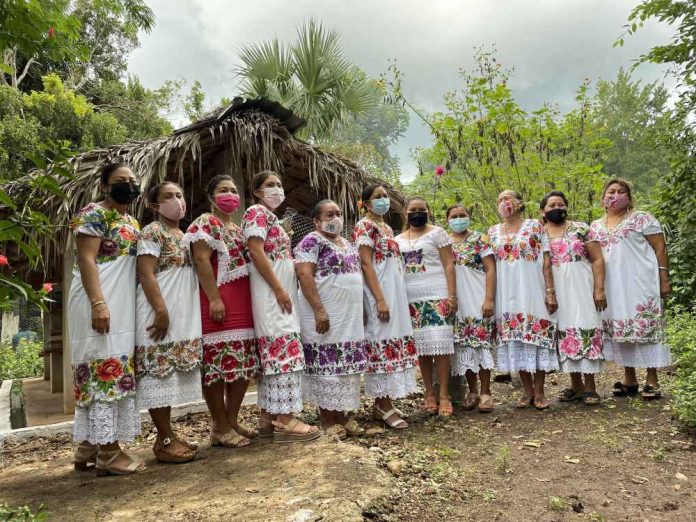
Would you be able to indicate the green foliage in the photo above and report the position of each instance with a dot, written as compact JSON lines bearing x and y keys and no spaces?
{"x":193,"y":102}
{"x":24,"y":362}
{"x":22,"y":514}
{"x":681,"y":337}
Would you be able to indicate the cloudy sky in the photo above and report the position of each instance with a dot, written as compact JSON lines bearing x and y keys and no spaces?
{"x":552,"y":44}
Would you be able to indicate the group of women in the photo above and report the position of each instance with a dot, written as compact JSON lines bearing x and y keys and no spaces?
{"x":223,"y":303}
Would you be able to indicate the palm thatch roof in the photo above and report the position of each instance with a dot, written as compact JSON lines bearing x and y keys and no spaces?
{"x":243,"y":138}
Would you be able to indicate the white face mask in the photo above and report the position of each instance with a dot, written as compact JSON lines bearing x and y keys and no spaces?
{"x":273,"y":197}
{"x":332,"y":226}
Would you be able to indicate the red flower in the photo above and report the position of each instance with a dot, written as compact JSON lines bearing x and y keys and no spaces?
{"x":275,"y":348}
{"x":439,"y":171}
{"x":507,"y":247}
{"x":285,"y":368}
{"x":273,"y":232}
{"x":390,"y":353}
{"x":207,"y":229}
{"x":109,"y":370}
{"x":513,"y":324}
{"x":261,"y":221}
{"x":544,"y":323}
{"x":215,"y":221}
{"x":47,"y":287}
{"x":294,"y":349}
{"x":193,"y":229}
{"x":4,"y":261}
{"x":228,"y":363}
{"x":51,"y":32}
{"x":127,"y":234}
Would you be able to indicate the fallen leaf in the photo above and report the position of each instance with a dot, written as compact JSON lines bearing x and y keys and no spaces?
{"x":676,"y":487}
{"x":543,"y":480}
{"x":639,"y":480}
{"x":518,"y":436}
{"x":652,"y":433}
{"x":251,"y":490}
{"x":568,"y":460}
{"x":557,"y":432}
{"x":680,"y":476}
{"x":532,"y":443}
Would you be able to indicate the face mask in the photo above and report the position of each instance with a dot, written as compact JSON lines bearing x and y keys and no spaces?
{"x":459,"y":224}
{"x":380,"y":206}
{"x":616,"y":201}
{"x":124,"y":192}
{"x":273,"y":197}
{"x":332,"y":226}
{"x":173,"y":209}
{"x":556,"y":215}
{"x":227,"y":202}
{"x":506,"y":208}
{"x":417,"y":219}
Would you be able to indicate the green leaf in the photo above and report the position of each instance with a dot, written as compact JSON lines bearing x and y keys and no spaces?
{"x":6,"y":200}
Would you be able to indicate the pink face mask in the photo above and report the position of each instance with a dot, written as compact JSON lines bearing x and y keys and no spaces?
{"x":616,"y":201}
{"x":506,"y":208}
{"x":227,"y":202}
{"x":173,"y":209}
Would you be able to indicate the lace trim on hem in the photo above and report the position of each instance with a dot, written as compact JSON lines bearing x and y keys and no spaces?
{"x":525,"y":357}
{"x":101,"y":423}
{"x":337,"y":393}
{"x":281,"y":393}
{"x":395,"y":385}
{"x":229,"y":335}
{"x":473,"y":359}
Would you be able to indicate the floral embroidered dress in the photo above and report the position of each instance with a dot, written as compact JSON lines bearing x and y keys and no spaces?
{"x":333,"y":360}
{"x":633,"y":320}
{"x":426,"y":288}
{"x":280,"y":347}
{"x":102,"y":364}
{"x":392,"y":356}
{"x":579,"y":323}
{"x":525,"y":331}
{"x":166,"y":369}
{"x":229,"y":347}
{"x":473,"y":335}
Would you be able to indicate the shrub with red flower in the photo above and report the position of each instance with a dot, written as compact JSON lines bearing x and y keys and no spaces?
{"x":4,"y":261}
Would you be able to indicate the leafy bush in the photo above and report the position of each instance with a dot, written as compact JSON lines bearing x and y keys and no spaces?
{"x":24,"y":514}
{"x":20,"y":363}
{"x":681,"y":335}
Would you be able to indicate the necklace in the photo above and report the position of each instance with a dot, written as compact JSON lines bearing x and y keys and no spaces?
{"x":413,"y":244}
{"x":510,"y":238}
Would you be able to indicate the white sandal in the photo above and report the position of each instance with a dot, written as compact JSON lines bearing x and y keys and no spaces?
{"x":398,"y":424}
{"x":104,"y":468}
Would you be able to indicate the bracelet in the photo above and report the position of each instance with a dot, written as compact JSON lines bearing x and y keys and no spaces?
{"x":550,"y":290}
{"x":97,"y":303}
{"x":663,"y":268}
{"x":451,"y":297}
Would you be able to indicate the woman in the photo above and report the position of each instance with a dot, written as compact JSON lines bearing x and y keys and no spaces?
{"x":331,"y":320}
{"x":101,"y":343}
{"x":474,"y":265}
{"x":392,"y":356}
{"x":274,"y":292}
{"x":578,"y":271}
{"x":432,"y":296}
{"x":637,"y":279}
{"x":168,"y":327}
{"x":230,"y":358}
{"x":525,"y":330}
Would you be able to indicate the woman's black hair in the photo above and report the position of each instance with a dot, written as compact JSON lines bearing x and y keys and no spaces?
{"x":316,"y":210}
{"x":108,"y":170}
{"x":154,"y":192}
{"x":215,"y":181}
{"x":259,"y":179}
{"x":369,"y":189}
{"x":553,"y":193}
{"x":456,"y":205}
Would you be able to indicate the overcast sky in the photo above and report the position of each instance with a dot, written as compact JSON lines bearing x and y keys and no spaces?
{"x":552,"y":44}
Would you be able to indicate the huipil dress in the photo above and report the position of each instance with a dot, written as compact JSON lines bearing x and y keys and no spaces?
{"x":579,"y":323}
{"x":229,"y":347}
{"x":103,"y":369}
{"x":525,"y":333}
{"x":633,"y":322}
{"x":335,"y":359}
{"x":278,"y":333}
{"x":392,"y":356}
{"x":168,"y":371}
{"x":426,"y":289}
{"x":473,"y":335}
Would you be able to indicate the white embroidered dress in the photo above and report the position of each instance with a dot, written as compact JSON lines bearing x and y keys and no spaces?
{"x":633,"y":321}
{"x":426,"y":289}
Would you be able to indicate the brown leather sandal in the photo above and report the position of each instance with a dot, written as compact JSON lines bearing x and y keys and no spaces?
{"x":485,"y":404}
{"x":160,"y":449}
{"x":85,"y":456}
{"x":288,"y":433}
{"x":231,"y":439}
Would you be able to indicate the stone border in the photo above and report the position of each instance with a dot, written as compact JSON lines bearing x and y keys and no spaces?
{"x":5,"y":406}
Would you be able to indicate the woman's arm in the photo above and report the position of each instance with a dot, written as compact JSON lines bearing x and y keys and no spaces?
{"x":147,"y":270}
{"x":551,"y":304}
{"x":488,"y":308}
{"x":373,"y":283}
{"x":598,"y":270}
{"x":448,"y":263}
{"x":263,"y":265}
{"x":659,"y":245}
{"x":202,"y":255}
{"x":305,"y":274}
{"x":87,"y":250}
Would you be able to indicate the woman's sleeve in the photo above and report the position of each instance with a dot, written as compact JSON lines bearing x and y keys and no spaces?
{"x":90,"y":222}
{"x":255,"y":222}
{"x":307,"y":251}
{"x":650,"y":225}
{"x":150,"y":242}
{"x":206,"y":228}
{"x":364,"y":234}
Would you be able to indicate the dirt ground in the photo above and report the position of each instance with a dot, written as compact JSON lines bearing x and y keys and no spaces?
{"x":625,"y":460}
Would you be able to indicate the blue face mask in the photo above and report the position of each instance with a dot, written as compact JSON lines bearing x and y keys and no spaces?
{"x":380,"y":206}
{"x":459,"y":224}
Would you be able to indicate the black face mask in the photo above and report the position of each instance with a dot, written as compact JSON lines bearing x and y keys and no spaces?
{"x":124,"y":192}
{"x":557,"y":215}
{"x":417,"y":219}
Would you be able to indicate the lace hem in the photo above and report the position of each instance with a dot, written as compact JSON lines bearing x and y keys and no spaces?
{"x":583,"y":366}
{"x":280,"y":393}
{"x":255,"y":232}
{"x":148,"y":248}
{"x":516,"y":356}
{"x":637,"y":355}
{"x":468,"y":358}
{"x":364,"y":241}
{"x":338,"y":393}
{"x":434,"y":341}
{"x":101,"y":423}
{"x":305,"y":257}
{"x":178,"y":388}
{"x":394,"y":385}
{"x":229,"y":335}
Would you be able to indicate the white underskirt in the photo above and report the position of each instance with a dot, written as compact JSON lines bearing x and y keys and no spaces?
{"x":638,"y":355}
{"x":394,"y":385}
{"x":105,"y":423}
{"x":174,"y":389}
{"x":280,"y":393}
{"x":332,"y":392}
{"x":467,"y":358}
{"x":583,"y":366}
{"x":516,"y":356}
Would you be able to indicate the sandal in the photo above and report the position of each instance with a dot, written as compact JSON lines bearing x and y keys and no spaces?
{"x":541,"y":404}
{"x":485,"y":404}
{"x":571,"y":395}
{"x":591,"y":399}
{"x":430,"y":405}
{"x":353,"y":429}
{"x":246,"y":431}
{"x":524,"y":402}
{"x":650,"y":393}
{"x":336,"y":431}
{"x":231,"y":439}
{"x":287,"y":432}
{"x":190,"y":445}
{"x":398,"y":424}
{"x":105,"y":468}
{"x":622,"y":390}
{"x":445,"y":409}
{"x":162,"y":455}
{"x":377,"y":415}
{"x":85,"y":454}
{"x":471,"y":400}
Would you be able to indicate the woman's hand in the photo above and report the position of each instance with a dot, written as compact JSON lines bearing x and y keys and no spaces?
{"x":321,"y":319}
{"x":159,"y":327}
{"x":217,"y":310}
{"x":665,"y":286}
{"x":383,"y":311}
{"x":600,"y":299}
{"x":551,"y":303}
{"x":284,"y":300}
{"x":488,"y":308}
{"x":101,"y":319}
{"x":452,"y":305}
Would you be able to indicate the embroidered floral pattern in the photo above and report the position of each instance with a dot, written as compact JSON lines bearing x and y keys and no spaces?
{"x":229,"y":360}
{"x":161,"y":360}
{"x":638,"y":222}
{"x":474,"y":332}
{"x":118,"y":232}
{"x":526,"y":328}
{"x":281,"y":354}
{"x":342,"y":358}
{"x":331,"y":259}
{"x":580,"y":343}
{"x":391,"y":355}
{"x":570,"y":247}
{"x":413,"y":260}
{"x":471,"y":251}
{"x":258,"y":221}
{"x":429,"y":313}
{"x":172,"y":250}
{"x":647,"y":326}
{"x":381,"y":240}
{"x":103,"y":380}
{"x":526,"y":245}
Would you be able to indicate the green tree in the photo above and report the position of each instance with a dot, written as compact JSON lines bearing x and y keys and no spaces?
{"x":194,"y":101}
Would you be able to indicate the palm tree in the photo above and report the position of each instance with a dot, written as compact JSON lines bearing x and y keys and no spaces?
{"x":311,"y":77}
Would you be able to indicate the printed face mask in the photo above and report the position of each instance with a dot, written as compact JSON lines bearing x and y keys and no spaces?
{"x":506,"y":208}
{"x":273,"y":197}
{"x":227,"y":202}
{"x":417,"y":219}
{"x":556,"y":215}
{"x":459,"y":224}
{"x":124,"y":192}
{"x":616,"y":201}
{"x":332,"y":226}
{"x":380,"y":206}
{"x":173,"y":209}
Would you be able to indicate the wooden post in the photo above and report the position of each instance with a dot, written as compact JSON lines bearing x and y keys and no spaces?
{"x":68,"y":394}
